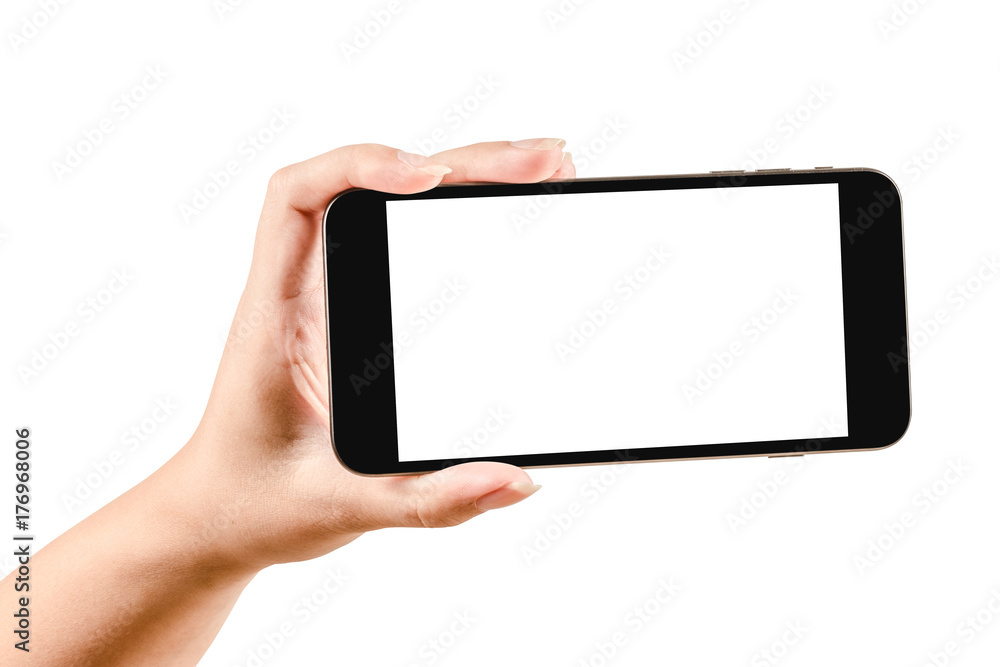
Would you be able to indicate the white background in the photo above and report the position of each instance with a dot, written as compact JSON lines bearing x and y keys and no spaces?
{"x":612,"y":324}
{"x":926,"y":89}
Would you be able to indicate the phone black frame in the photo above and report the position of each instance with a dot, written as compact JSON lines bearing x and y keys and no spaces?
{"x":359,"y":323}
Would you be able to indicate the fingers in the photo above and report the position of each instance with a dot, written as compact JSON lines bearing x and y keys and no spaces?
{"x":286,"y":250}
{"x":309,"y":186}
{"x":525,"y":161}
{"x":444,"y":498}
{"x":567,"y":169}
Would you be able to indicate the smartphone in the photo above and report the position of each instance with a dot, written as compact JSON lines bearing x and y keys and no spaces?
{"x":606,"y":320}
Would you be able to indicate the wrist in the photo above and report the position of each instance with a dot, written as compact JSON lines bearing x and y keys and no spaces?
{"x":191,"y":504}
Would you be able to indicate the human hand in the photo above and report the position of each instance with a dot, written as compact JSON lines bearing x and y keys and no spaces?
{"x":278,"y":491}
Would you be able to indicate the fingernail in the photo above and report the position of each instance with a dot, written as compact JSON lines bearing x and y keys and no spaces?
{"x":506,"y":495}
{"x":424,"y":164}
{"x":567,"y":157}
{"x":539,"y":144}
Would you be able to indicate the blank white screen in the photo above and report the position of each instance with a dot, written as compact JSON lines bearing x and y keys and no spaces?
{"x":528,"y":325}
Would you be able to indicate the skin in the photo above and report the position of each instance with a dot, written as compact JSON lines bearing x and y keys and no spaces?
{"x":151,"y":577}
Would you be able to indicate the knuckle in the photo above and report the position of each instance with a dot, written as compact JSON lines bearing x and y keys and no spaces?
{"x":425,"y":511}
{"x":281,"y":182}
{"x":354,"y":155}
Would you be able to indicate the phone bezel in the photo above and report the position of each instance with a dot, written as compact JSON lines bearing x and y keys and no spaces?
{"x":359,"y":323}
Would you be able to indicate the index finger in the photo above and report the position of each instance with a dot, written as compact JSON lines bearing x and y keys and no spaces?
{"x":308,"y":186}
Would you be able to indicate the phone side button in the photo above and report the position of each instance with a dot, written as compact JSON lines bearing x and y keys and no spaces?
{"x":781,"y":456}
{"x":822,"y":167}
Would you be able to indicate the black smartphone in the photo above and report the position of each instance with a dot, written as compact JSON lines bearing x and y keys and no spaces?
{"x":607,"y":320}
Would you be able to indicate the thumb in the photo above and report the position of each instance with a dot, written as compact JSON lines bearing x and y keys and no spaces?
{"x":447,"y":497}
